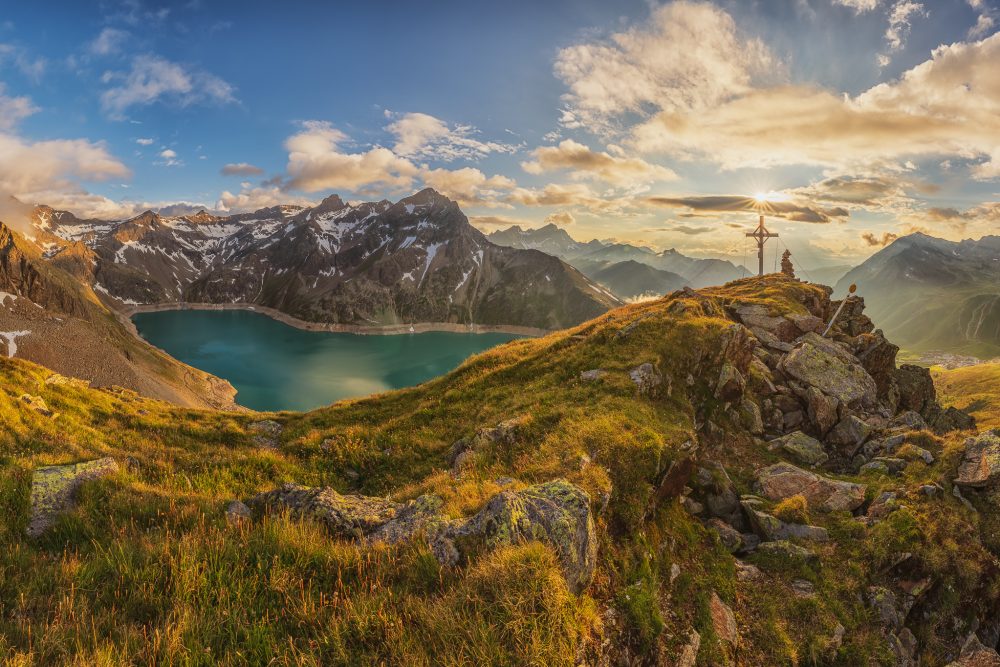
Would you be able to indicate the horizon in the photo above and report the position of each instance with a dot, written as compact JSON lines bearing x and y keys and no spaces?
{"x":645,"y":123}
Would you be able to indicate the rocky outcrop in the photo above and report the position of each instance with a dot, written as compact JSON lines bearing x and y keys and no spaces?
{"x":783,"y":480}
{"x":556,"y":513}
{"x":804,"y":449}
{"x":974,"y":654}
{"x":833,"y":370}
{"x":53,"y":490}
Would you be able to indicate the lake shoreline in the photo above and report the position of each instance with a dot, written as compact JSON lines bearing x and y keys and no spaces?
{"x":365,"y":330}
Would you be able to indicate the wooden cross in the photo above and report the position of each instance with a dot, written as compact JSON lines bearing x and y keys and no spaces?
{"x":761,"y":235}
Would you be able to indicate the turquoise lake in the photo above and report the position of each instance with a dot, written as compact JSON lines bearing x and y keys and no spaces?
{"x":275,"y":366}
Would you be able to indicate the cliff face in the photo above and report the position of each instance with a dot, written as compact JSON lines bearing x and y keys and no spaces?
{"x":699,"y":479}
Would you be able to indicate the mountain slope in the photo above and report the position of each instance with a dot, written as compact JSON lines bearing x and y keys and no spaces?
{"x":465,"y":497}
{"x":418,"y":260}
{"x":631,"y":279}
{"x":49,"y":317}
{"x":933,"y":294}
{"x":588,"y":256}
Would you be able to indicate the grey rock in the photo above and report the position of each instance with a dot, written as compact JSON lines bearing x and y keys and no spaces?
{"x":832,"y":369}
{"x":593,"y":375}
{"x":801,"y":447}
{"x":237,"y":512}
{"x":53,"y":490}
{"x":850,"y":432}
{"x":267,"y":433}
{"x":980,"y":465}
{"x":647,"y":379}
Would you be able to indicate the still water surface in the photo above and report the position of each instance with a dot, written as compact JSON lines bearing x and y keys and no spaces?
{"x":275,"y":366}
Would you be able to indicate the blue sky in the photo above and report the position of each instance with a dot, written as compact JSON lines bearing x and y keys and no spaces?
{"x":643,"y":121}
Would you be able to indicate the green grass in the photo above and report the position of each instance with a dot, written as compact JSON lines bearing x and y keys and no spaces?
{"x":147,"y":571}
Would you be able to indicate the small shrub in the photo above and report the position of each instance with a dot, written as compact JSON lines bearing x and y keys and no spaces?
{"x":793,"y":509}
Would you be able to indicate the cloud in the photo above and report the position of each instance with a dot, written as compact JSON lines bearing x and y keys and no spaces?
{"x":144,"y":141}
{"x":14,"y":109}
{"x":31,"y":68}
{"x":108,"y":42}
{"x":873,"y":240}
{"x":859,"y":6}
{"x":861,"y":191}
{"x":317,"y":162}
{"x":241,"y":169}
{"x":737,"y":203}
{"x":561,"y":218}
{"x":420,"y":135}
{"x":254,"y":199}
{"x":498,"y":221}
{"x":585,"y":163}
{"x":946,"y":106}
{"x":556,"y":194}
{"x":153,"y":79}
{"x":984,"y":23}
{"x":688,"y":56}
{"x":899,"y":22}
{"x":468,"y":185}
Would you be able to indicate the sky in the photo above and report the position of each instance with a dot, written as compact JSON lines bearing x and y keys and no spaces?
{"x":850,"y":121}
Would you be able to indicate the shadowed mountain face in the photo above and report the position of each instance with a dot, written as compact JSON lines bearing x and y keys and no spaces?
{"x":932,"y":294}
{"x":48,"y":316}
{"x":418,"y":260}
{"x":597,"y":255}
{"x":631,"y":279}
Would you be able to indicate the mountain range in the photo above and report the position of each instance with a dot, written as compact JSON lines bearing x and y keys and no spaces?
{"x":373,"y":263}
{"x":621,"y":266}
{"x":933,"y":294}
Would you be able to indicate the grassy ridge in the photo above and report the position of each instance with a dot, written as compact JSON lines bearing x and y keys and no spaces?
{"x":147,"y":570}
{"x":975,"y":389}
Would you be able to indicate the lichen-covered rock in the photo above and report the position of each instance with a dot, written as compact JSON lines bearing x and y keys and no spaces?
{"x":981,"y":462}
{"x":911,"y":419}
{"x":237,"y":512}
{"x":916,"y":388}
{"x":730,"y":538}
{"x":786,"y":552}
{"x":826,"y":365}
{"x":750,"y":417}
{"x":556,"y":513}
{"x":783,"y":480}
{"x":801,"y":447}
{"x":647,"y":379}
{"x":267,"y":433}
{"x":53,"y":489}
{"x":770,"y":528}
{"x":346,"y":516}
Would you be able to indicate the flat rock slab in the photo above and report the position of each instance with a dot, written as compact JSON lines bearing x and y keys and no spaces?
{"x":783,"y":480}
{"x":53,"y":489}
{"x":981,"y":464}
{"x":823,"y":364}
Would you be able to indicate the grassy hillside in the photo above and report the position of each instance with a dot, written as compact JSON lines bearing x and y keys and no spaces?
{"x":148,"y":570}
{"x":975,"y":389}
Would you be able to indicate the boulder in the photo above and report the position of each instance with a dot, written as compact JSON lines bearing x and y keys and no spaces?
{"x":804,"y":449}
{"x":267,"y":433}
{"x":53,"y":490}
{"x":910,"y":419}
{"x":36,"y":403}
{"x":237,"y":512}
{"x":950,"y":419}
{"x":786,"y":552}
{"x":770,"y":528}
{"x":756,"y":316}
{"x":882,"y":506}
{"x":750,"y":417}
{"x":850,"y":432}
{"x":974,"y":654}
{"x":730,"y":538}
{"x":689,"y":654}
{"x":916,"y":388}
{"x":822,"y":409}
{"x":806,"y":323}
{"x":723,"y":621}
{"x":980,"y":464}
{"x":731,"y":383}
{"x":556,"y":513}
{"x":826,"y":365}
{"x":647,"y":379}
{"x":783,"y":480}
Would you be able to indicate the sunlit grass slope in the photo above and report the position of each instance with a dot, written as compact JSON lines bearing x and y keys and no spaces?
{"x":147,"y":570}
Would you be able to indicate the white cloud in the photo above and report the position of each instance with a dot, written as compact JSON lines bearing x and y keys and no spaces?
{"x":469,"y":185}
{"x":168,"y":154}
{"x":582,"y":162}
{"x":561,"y":218}
{"x":948,"y":106}
{"x":317,"y":162}
{"x":687,"y":56}
{"x":144,"y":141}
{"x":109,"y":41}
{"x":169,"y":158}
{"x":859,"y":6}
{"x":14,"y":109}
{"x":253,"y":199}
{"x":899,"y":22}
{"x":154,"y":79}
{"x":420,"y":135}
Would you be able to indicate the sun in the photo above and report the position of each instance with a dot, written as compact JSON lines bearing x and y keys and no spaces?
{"x":770,"y":197}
